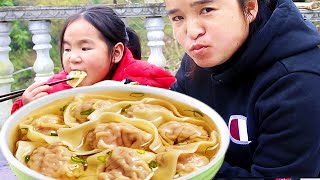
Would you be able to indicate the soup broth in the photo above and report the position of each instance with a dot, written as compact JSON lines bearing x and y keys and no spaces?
{"x":110,"y":135}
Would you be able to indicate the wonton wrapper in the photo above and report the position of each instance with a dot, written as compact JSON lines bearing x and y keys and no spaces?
{"x":49,"y":160}
{"x":118,"y":107}
{"x":74,"y":137}
{"x":72,"y":114}
{"x":167,"y":165}
{"x":25,"y":148}
{"x":48,"y":122}
{"x":188,"y":163}
{"x":77,"y":76}
{"x":167,"y":117}
{"x":151,"y":109}
{"x":98,"y":162}
{"x":168,"y":161}
{"x":175,"y":132}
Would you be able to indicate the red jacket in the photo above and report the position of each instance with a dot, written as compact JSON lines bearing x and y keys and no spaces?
{"x":129,"y":68}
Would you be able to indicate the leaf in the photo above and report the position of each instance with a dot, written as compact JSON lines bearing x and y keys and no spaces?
{"x":53,"y":134}
{"x":137,"y":94}
{"x":141,"y":151}
{"x":196,"y":113}
{"x":77,"y":160}
{"x":87,"y":112}
{"x":102,"y":158}
{"x":27,"y":158}
{"x":64,"y":108}
{"x":153,"y":164}
{"x":124,"y":109}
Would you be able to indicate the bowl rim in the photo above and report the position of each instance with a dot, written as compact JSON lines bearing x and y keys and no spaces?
{"x":5,"y":132}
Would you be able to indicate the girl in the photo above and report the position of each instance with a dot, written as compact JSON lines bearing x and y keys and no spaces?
{"x":257,"y":63}
{"x":95,"y":40}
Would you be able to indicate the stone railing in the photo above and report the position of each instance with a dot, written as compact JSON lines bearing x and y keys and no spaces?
{"x":39,"y":24}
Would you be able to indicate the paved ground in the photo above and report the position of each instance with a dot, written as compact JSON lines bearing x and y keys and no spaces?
{"x":5,"y":172}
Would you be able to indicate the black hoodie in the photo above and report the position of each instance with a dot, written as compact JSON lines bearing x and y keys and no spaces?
{"x":268,"y":94}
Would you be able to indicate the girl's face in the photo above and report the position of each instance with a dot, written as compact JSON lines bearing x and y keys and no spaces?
{"x":85,"y":50}
{"x":210,"y":31}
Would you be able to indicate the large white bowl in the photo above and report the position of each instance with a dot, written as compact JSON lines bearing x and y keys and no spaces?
{"x":23,"y":172}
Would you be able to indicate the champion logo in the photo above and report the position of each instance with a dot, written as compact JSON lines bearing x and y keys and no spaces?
{"x":238,"y":129}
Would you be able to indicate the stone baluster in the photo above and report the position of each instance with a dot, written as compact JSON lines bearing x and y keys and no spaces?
{"x":6,"y":70}
{"x":154,"y":26}
{"x":43,"y":65}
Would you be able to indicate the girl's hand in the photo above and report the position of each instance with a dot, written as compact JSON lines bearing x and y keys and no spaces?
{"x":35,"y":91}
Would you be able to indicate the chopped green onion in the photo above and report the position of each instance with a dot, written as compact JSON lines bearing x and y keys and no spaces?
{"x":87,"y":112}
{"x":27,"y":158}
{"x":109,"y":153}
{"x":140,"y":151}
{"x":53,"y":134}
{"x":183,"y":143}
{"x":136,"y":94}
{"x":125,"y":108}
{"x":102,"y":158}
{"x":64,"y":108}
{"x":153,"y":164}
{"x":70,"y":149}
{"x":208,"y":148}
{"x":23,"y":130}
{"x":195,"y":113}
{"x":77,"y":160}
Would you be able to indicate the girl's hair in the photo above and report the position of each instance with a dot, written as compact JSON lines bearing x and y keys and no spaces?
{"x":269,"y":4}
{"x":111,"y":27}
{"x":134,"y":43}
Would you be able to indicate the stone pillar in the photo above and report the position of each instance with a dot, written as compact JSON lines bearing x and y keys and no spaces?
{"x":43,"y":65}
{"x":6,"y":70}
{"x":125,"y":20}
{"x":154,"y":26}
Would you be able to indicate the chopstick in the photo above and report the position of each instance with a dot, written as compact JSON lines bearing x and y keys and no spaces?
{"x":18,"y":93}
